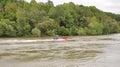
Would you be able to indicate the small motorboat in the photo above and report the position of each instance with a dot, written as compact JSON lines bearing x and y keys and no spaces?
{"x":63,"y":38}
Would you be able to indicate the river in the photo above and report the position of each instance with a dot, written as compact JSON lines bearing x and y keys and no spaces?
{"x":77,"y":51}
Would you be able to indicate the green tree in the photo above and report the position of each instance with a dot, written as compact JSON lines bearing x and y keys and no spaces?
{"x":10,"y":11}
{"x":6,"y":28}
{"x":1,"y":11}
{"x":110,"y":25}
{"x":81,"y":31}
{"x":47,"y":24}
{"x":3,"y":2}
{"x":95,"y":27}
{"x":63,"y":31}
{"x":36,"y":32}
{"x":51,"y":32}
{"x":23,"y":26}
{"x":114,"y":26}
{"x":73,"y":30}
{"x":48,"y":5}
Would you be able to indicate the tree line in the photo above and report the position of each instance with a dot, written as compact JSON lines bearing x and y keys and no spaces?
{"x":19,"y":18}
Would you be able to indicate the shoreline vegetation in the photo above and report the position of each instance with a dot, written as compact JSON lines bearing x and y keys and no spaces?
{"x":38,"y":19}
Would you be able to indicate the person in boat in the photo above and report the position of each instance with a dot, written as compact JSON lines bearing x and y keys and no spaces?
{"x":56,"y":37}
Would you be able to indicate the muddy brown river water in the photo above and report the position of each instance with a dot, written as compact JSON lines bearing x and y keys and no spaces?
{"x":77,"y":51}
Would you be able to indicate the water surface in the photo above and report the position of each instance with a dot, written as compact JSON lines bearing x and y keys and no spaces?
{"x":79,"y":51}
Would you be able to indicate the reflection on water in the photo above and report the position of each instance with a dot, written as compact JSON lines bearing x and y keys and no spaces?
{"x":85,"y":51}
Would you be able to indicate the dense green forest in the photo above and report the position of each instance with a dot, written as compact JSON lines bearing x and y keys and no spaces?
{"x":20,"y":18}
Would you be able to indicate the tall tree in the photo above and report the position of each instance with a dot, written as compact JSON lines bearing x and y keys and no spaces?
{"x":10,"y":11}
{"x":95,"y":27}
{"x":7,"y":28}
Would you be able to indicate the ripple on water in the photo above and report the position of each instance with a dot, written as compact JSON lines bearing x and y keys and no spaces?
{"x":67,"y":51}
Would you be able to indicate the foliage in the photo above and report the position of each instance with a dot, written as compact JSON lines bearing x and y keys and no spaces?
{"x":20,"y":18}
{"x":63,"y":31}
{"x":7,"y":28}
{"x":10,"y":11}
{"x":51,"y":32}
{"x":81,"y":31}
{"x":47,"y":24}
{"x":36,"y":32}
{"x":95,"y":27}
{"x":73,"y":30}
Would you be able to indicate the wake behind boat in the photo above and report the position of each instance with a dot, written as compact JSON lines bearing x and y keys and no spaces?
{"x":64,"y":38}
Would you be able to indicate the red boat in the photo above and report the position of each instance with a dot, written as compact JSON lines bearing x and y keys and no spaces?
{"x":60,"y":38}
{"x":64,"y":37}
